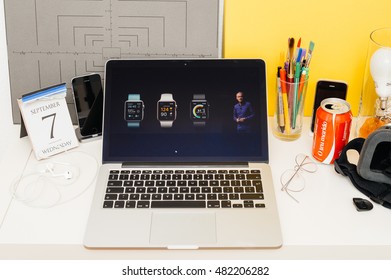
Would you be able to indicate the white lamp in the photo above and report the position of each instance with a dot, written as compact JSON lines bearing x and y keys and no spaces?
{"x":380,"y":67}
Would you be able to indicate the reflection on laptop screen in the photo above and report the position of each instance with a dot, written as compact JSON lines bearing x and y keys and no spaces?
{"x":185,"y":111}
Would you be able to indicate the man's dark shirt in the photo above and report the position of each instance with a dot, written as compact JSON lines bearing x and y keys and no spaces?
{"x":243,"y":111}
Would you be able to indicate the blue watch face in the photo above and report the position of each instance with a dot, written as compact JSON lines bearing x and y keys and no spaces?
{"x":166,"y":111}
{"x":199,"y":110}
{"x":134,"y":110}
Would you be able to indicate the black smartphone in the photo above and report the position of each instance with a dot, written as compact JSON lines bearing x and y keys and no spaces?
{"x":327,"y":89}
{"x":88,"y":98}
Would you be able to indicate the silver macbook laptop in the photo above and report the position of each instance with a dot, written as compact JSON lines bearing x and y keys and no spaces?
{"x":185,"y":153}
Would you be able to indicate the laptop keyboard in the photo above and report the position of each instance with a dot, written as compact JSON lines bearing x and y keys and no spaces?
{"x":217,"y":188}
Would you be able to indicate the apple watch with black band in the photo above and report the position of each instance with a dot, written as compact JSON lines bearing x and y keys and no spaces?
{"x":199,"y":110}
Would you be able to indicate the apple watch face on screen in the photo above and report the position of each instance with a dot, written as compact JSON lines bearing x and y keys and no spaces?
{"x":166,"y":111}
{"x":199,"y":110}
{"x":134,"y":110}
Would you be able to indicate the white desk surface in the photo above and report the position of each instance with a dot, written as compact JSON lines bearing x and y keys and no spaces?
{"x":324,"y":225}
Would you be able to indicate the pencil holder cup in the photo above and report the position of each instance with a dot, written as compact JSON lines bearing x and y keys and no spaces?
{"x":288,"y":116}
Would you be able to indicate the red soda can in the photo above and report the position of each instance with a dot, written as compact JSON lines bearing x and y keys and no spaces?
{"x":332,"y":128}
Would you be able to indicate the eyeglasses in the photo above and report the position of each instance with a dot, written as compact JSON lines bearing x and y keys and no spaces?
{"x":291,"y":180}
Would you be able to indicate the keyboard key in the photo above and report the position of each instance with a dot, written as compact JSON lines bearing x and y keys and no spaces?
{"x":128,"y":183}
{"x":248,"y":204}
{"x":119,"y":204}
{"x":143,"y":204}
{"x":113,"y":177}
{"x":108,"y":204}
{"x":130,"y":204}
{"x":139,"y":183}
{"x":151,"y":190}
{"x":236,"y":205}
{"x":256,"y":171}
{"x":257,"y":183}
{"x":235,"y":183}
{"x":238,"y":190}
{"x":123,"y":177}
{"x":225,"y":204}
{"x":249,"y":189}
{"x":123,"y":197}
{"x":250,"y":196}
{"x":149,"y":183}
{"x":217,"y":190}
{"x":114,"y":183}
{"x":192,"y":183}
{"x":184,"y":190}
{"x":223,"y":196}
{"x":173,"y":190}
{"x":162,"y":190}
{"x":156,"y":196}
{"x":228,"y":189}
{"x":140,"y":190}
{"x":178,"y":196}
{"x":114,"y":190}
{"x":166,"y":177}
{"x":253,"y":176}
{"x":130,"y":190}
{"x":211,"y":196}
{"x":167,"y":196}
{"x":246,"y":183}
{"x":213,"y":204}
{"x":145,"y":196}
{"x":134,"y":196}
{"x":171,"y":183}
{"x":189,"y":196}
{"x":200,"y":196}
{"x":195,"y":190}
{"x":260,"y":205}
{"x":178,"y":204}
{"x":224,"y":183}
{"x":213,"y":183}
{"x":134,"y":177}
{"x":110,"y":197}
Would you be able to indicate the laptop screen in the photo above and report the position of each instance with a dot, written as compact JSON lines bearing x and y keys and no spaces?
{"x":185,"y":111}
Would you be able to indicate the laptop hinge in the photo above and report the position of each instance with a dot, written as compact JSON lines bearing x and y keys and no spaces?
{"x":184,"y":164}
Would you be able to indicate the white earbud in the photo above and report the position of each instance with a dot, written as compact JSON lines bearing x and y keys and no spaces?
{"x":49,"y":168}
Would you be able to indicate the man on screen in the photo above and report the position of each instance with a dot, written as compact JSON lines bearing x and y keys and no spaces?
{"x":243,"y":113}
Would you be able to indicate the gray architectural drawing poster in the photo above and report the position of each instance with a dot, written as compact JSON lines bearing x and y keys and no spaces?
{"x":51,"y":41}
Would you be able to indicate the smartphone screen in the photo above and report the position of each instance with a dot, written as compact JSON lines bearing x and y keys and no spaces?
{"x":327,"y":89}
{"x":88,"y":96}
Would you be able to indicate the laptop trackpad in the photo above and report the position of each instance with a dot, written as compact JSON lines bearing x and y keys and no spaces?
{"x":183,"y":229}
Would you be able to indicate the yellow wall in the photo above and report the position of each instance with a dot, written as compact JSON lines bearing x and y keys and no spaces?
{"x":339,"y":28}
